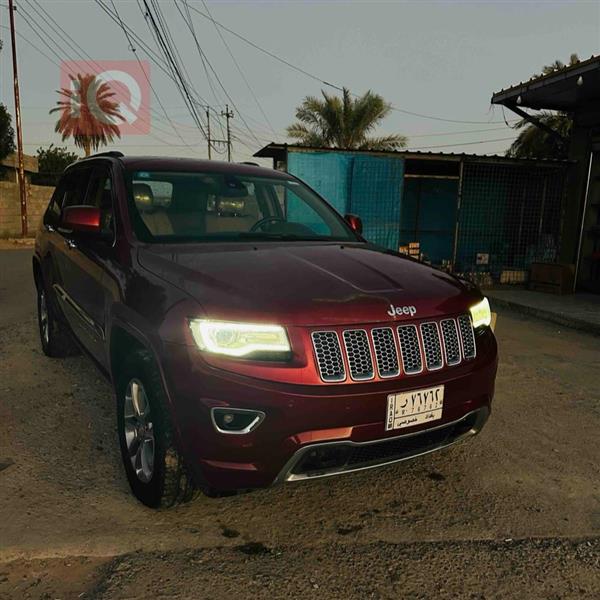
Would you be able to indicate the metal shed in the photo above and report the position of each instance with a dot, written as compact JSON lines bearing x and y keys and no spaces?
{"x":486,"y":216}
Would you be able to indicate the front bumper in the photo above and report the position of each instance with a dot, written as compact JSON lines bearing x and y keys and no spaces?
{"x":300,"y":419}
{"x":334,"y":458}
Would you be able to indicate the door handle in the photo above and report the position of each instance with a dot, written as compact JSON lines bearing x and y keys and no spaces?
{"x":70,"y":244}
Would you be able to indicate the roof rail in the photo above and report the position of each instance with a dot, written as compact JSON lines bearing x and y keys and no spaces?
{"x":247,"y":162}
{"x":113,"y":153}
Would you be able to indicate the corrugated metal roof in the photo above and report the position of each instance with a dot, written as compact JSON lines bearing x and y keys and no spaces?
{"x":275,"y":150}
{"x":558,"y":90}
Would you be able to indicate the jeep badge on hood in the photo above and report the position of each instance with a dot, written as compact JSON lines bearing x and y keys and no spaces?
{"x":402,"y":310}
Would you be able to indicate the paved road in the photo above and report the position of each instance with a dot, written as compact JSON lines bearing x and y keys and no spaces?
{"x":515,"y":513}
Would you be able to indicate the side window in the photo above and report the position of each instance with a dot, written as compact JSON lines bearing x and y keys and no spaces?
{"x":52,"y":214}
{"x":100,"y":195}
{"x":76,"y":187}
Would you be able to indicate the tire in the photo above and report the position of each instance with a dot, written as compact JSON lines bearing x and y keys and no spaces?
{"x":154,"y":467}
{"x":55,"y":339}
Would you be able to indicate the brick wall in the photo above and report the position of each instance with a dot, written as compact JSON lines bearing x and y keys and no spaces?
{"x":38,"y":197}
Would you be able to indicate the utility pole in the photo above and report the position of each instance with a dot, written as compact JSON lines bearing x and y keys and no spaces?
{"x":208,"y":132}
{"x":228,"y":115}
{"x":21,"y":166}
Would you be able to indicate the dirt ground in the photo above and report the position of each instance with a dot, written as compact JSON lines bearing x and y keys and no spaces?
{"x":513,"y":513}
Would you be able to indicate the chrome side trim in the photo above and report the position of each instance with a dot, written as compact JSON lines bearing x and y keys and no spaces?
{"x":87,"y":320}
{"x":287,"y":475}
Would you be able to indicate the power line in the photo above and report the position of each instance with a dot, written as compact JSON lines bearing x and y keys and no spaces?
{"x":91,"y":63}
{"x":203,"y":59}
{"x":132,"y":48}
{"x":224,"y":90}
{"x":461,"y":144}
{"x":28,"y":41}
{"x":327,"y":83}
{"x":241,"y":72}
{"x":174,"y":68}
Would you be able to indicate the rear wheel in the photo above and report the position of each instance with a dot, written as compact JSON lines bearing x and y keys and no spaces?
{"x":54,"y":337}
{"x":155,"y":469}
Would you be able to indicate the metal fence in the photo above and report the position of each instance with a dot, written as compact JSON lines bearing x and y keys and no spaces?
{"x":486,"y":218}
{"x":508,"y":217}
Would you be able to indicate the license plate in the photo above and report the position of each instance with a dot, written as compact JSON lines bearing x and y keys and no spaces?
{"x":413,"y":408}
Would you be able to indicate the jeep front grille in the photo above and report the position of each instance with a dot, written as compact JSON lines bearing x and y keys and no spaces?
{"x":432,"y":346}
{"x":403,"y":350}
{"x":359,"y":354}
{"x":385,"y":352}
{"x":451,"y":343}
{"x":410,"y":349}
{"x":467,"y":336}
{"x":329,"y":356}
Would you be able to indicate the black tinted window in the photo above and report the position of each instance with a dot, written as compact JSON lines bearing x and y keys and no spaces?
{"x":76,"y":184}
{"x":100,"y":195}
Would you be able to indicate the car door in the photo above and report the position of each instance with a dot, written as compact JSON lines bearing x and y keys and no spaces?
{"x":81,"y":261}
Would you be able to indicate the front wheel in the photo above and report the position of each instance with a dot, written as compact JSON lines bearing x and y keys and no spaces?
{"x":155,"y":469}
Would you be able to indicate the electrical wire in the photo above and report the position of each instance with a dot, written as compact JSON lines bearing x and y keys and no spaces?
{"x":163,"y":44}
{"x":460,"y":144}
{"x":91,"y":63}
{"x":133,"y":49}
{"x":240,"y":71}
{"x":327,"y":83}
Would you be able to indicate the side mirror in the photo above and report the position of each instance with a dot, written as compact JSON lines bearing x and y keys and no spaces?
{"x":81,"y":219}
{"x":354,"y":222}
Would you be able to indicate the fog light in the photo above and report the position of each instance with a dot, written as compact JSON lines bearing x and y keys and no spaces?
{"x":236,"y":420}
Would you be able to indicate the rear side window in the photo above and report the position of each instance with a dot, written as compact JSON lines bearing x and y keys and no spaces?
{"x":71,"y":191}
{"x":76,"y":185}
{"x":100,"y":195}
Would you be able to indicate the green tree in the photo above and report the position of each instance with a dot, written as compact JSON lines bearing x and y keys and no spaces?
{"x":52,"y":161}
{"x":345,"y":122}
{"x":7,"y":133}
{"x":533,"y":142}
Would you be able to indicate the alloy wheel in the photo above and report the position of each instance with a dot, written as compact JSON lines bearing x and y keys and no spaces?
{"x":44,"y":320}
{"x":139,"y":430}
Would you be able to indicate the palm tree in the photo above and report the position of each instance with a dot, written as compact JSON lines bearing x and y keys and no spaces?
{"x":344,"y":122}
{"x":534,"y":142}
{"x":88,"y":113}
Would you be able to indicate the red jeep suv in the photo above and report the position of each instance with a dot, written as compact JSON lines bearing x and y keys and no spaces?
{"x":251,"y":335}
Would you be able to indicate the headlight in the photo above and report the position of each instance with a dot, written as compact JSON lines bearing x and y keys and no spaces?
{"x":240,"y":339}
{"x":481,"y":314}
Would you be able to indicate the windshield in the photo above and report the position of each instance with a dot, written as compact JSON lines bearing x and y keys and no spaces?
{"x":171,"y":206}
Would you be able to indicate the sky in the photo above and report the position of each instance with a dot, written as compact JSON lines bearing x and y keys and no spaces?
{"x":442,"y":60}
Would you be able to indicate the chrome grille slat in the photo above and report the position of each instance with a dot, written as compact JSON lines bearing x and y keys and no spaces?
{"x":467,"y":336}
{"x":410,"y":349}
{"x":451,"y":343}
{"x":358,"y":353}
{"x":329,"y":356}
{"x":432,"y":346}
{"x":386,"y":355}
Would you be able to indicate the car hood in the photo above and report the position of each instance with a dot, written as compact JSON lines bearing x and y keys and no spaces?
{"x":305,"y":283}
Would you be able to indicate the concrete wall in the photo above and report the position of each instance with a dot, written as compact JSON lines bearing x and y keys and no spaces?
{"x":38,"y":197}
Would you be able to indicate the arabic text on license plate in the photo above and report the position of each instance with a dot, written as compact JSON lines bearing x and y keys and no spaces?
{"x":412,"y":408}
